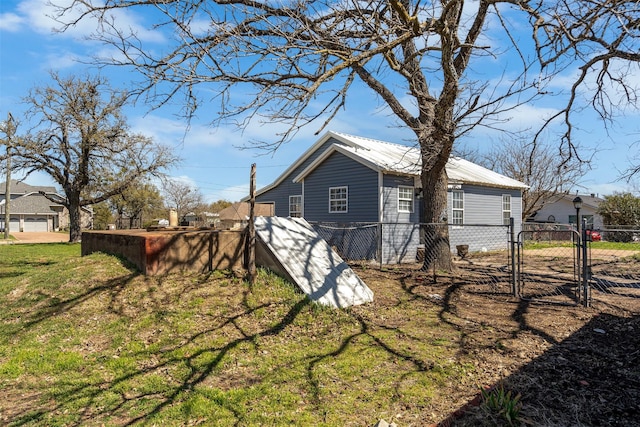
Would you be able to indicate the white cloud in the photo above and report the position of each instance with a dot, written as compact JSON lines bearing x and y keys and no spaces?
{"x":167,"y":131}
{"x":232,"y":194}
{"x":527,"y":116}
{"x":41,"y":16}
{"x":10,"y":22}
{"x":59,"y":61}
{"x":607,"y":189}
{"x":185,"y":180}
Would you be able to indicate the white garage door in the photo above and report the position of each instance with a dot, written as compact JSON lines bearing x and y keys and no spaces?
{"x":35,"y":224}
{"x":14,"y":224}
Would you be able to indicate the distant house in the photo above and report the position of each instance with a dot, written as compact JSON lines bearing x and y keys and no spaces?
{"x":236,"y":216}
{"x":203,"y":219}
{"x":562,"y":211}
{"x":31,"y":211}
{"x":348,"y":179}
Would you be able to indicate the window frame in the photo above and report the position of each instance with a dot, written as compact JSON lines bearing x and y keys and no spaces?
{"x":334,"y":202}
{"x":411,"y":191}
{"x":295,"y":214}
{"x":506,"y":220}
{"x":589,"y":217}
{"x":455,"y":209}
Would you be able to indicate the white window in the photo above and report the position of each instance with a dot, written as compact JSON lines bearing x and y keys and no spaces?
{"x":295,"y":206}
{"x":405,"y":199}
{"x":506,"y":208}
{"x":457,"y":214}
{"x":338,"y":199}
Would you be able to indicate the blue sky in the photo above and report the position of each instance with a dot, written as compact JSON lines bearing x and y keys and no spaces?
{"x":29,"y":49}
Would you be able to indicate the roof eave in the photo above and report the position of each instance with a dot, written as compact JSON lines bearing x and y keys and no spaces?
{"x":298,"y":162}
{"x":333,"y":148}
{"x":491,"y":184}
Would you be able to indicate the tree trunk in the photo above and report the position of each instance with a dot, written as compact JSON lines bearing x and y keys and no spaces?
{"x":436,"y":144}
{"x":75,"y":229}
{"x":436,"y":230}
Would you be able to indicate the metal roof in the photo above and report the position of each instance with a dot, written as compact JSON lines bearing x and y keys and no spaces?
{"x":388,"y":157}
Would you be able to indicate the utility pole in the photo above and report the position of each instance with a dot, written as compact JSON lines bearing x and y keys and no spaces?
{"x":7,"y":186}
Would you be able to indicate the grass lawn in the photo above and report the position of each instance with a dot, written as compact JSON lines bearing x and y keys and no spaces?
{"x":89,"y":341}
{"x":622,"y":246}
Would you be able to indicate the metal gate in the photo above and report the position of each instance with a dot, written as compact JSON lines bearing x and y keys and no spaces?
{"x":550,"y":266}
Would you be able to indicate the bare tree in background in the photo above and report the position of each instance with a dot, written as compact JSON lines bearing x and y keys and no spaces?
{"x":296,"y":62}
{"x":183,"y":197}
{"x":538,"y":165}
{"x":82,"y":141}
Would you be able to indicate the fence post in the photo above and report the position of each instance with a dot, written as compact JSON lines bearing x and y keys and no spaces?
{"x":585,"y":264}
{"x":251,"y":229}
{"x":512,"y":234}
{"x":380,"y":248}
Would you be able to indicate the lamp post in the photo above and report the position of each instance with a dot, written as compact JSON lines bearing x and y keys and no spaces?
{"x":577,"y":203}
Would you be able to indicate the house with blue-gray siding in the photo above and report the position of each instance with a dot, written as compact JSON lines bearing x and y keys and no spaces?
{"x":346,"y":180}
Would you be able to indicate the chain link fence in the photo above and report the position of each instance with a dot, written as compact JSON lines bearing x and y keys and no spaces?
{"x":480,"y":252}
{"x":542,"y":262}
{"x":549,"y":265}
{"x":482,"y":255}
{"x":614,"y":269}
{"x":354,"y":242}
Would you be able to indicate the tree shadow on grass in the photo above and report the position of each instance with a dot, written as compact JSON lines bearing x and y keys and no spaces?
{"x":52,"y":306}
{"x":124,"y":400}
{"x":370,"y":330}
{"x":452,"y":287}
{"x":128,"y":406}
{"x":15,"y":268}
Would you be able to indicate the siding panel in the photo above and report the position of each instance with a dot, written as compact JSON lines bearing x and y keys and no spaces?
{"x":390,"y":198}
{"x":338,"y":171}
{"x":483,"y":205}
{"x":400,"y":242}
{"x":280,"y":194}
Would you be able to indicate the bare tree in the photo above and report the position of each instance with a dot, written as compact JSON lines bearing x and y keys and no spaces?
{"x":183,"y":197}
{"x":538,"y":165}
{"x":82,"y":141}
{"x":296,"y":62}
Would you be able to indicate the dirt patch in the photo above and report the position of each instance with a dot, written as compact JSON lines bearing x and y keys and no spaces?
{"x":571,"y":365}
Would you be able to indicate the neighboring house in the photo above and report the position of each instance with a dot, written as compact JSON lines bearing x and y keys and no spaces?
{"x":236,"y":216}
{"x":31,"y":211}
{"x":562,"y":211}
{"x":203,"y":219}
{"x":348,"y":179}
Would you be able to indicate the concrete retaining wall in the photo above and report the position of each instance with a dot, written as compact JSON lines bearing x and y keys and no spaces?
{"x":163,"y":252}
